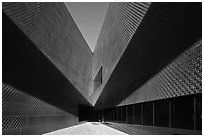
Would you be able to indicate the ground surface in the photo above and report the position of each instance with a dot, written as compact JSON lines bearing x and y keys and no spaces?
{"x":88,"y":128}
{"x":109,"y":128}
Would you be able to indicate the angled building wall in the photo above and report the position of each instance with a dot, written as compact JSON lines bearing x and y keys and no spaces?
{"x":121,"y":22}
{"x":23,"y":114}
{"x":161,"y":64}
{"x":146,"y":67}
{"x":181,"y":77}
{"x":52,"y":29}
{"x":46,"y":68}
{"x":166,"y":31}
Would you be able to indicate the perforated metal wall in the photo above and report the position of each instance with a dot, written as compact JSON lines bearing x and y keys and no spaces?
{"x":52,"y":29}
{"x":25,"y":114}
{"x":120,"y":24}
{"x":183,"y":76}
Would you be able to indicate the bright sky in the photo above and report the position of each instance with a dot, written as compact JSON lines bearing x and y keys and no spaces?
{"x":89,"y":17}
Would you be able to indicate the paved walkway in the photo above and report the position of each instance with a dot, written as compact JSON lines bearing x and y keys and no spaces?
{"x":88,"y":128}
{"x":133,"y":129}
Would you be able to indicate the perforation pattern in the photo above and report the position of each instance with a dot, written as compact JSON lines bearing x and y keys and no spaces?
{"x":24,"y":114}
{"x":121,"y":22}
{"x":27,"y":15}
{"x":183,"y":76}
{"x":51,"y":28}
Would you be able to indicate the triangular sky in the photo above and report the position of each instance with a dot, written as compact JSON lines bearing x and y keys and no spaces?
{"x":89,"y":17}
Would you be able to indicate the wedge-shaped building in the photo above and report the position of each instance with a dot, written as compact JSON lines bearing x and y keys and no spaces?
{"x":145,"y":72}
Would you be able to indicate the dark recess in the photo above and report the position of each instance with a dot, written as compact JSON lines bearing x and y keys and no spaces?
{"x":98,"y":79}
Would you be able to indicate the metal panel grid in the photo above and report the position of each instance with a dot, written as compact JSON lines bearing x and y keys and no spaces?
{"x":52,"y":29}
{"x":25,"y":114}
{"x":181,"y":77}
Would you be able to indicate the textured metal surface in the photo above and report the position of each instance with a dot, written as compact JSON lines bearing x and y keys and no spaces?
{"x":52,"y":29}
{"x":121,"y":22}
{"x":183,"y":76}
{"x":166,"y":31}
{"x":25,"y":114}
{"x":147,"y":52}
{"x":35,"y":81}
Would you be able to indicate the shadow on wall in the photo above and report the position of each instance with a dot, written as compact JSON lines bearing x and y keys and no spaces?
{"x":26,"y":68}
{"x":181,"y":115}
{"x":166,"y":31}
{"x":24,"y":114}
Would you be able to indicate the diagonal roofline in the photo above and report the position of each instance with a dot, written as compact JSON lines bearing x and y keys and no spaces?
{"x":78,"y":29}
{"x":78,"y":22}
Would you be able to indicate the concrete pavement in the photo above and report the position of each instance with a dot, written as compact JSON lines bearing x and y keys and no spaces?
{"x":88,"y":128}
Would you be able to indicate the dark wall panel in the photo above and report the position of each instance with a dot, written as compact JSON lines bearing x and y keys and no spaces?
{"x":123,"y":118}
{"x":148,"y":113}
{"x":119,"y":114}
{"x":130,"y":114}
{"x":179,"y":113}
{"x":115,"y":114}
{"x":183,"y":112}
{"x":138,"y":114}
{"x":198,"y":123}
{"x":162,"y":113}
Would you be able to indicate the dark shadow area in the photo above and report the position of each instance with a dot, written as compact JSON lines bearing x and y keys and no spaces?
{"x":26,"y":68}
{"x":147,"y":113}
{"x":178,"y":115}
{"x":183,"y":112}
{"x":130,"y":114}
{"x":25,"y":114}
{"x":98,"y":79}
{"x":137,"y":114}
{"x":87,"y":113}
{"x":167,"y":30}
{"x":162,"y":113}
